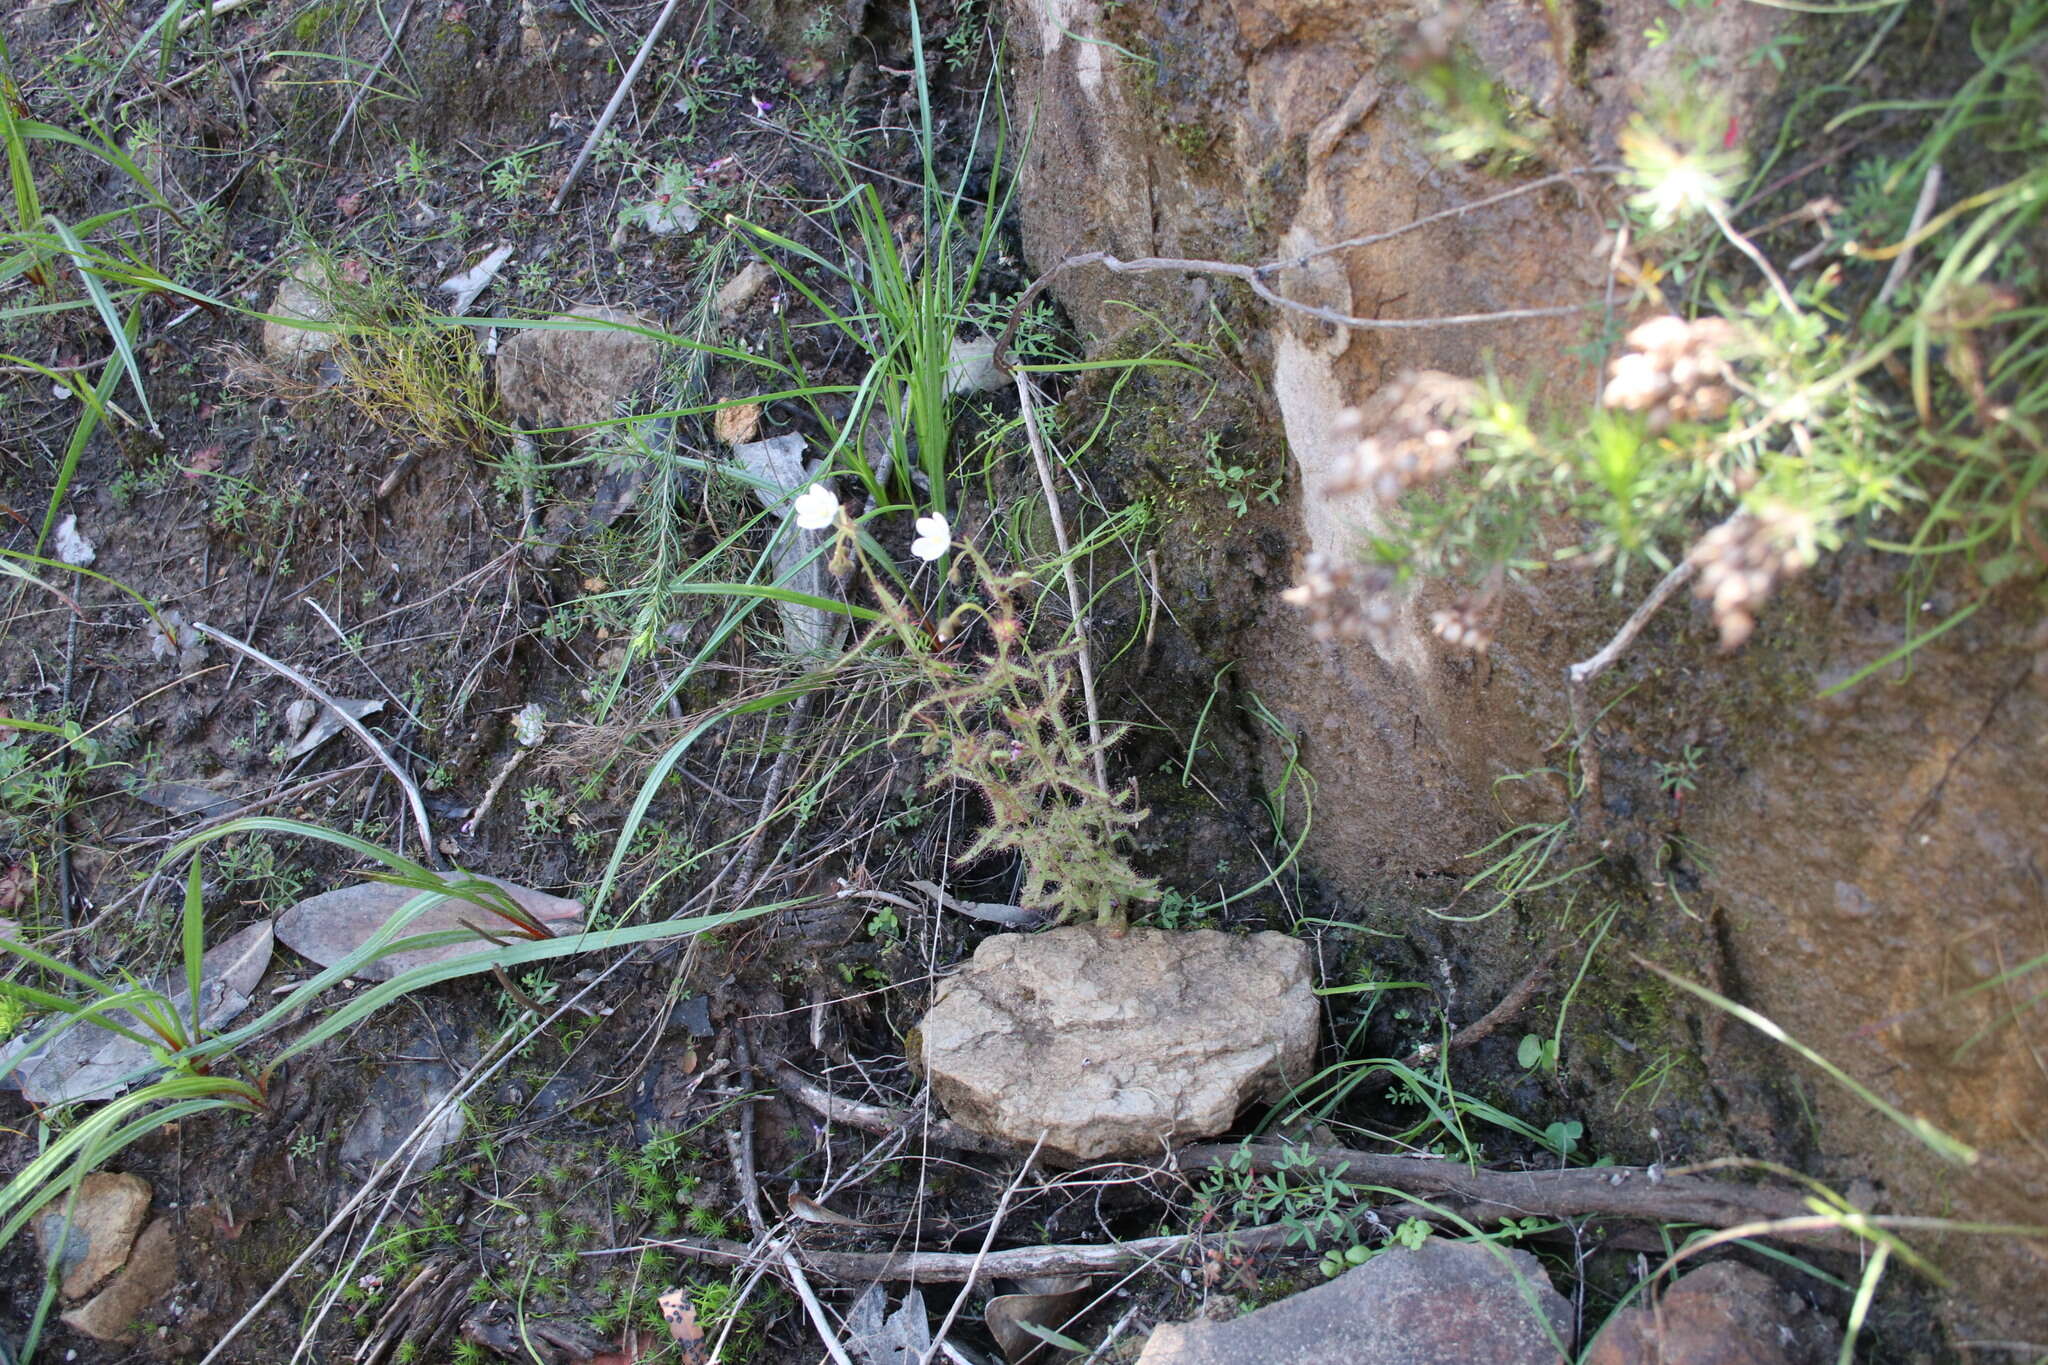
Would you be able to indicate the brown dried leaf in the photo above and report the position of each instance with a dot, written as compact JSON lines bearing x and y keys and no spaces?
{"x":328,"y":927}
{"x":1046,"y":1301}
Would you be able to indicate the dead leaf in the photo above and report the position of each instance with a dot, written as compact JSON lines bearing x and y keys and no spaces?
{"x":466,"y":285}
{"x":328,"y":927}
{"x":88,"y":1062}
{"x":327,"y":725}
{"x":186,"y":798}
{"x":8,"y":734}
{"x":681,"y":1316}
{"x":204,"y":460}
{"x":350,"y":204}
{"x":1046,"y":1301}
{"x":811,"y":1211}
{"x":900,"y":1338}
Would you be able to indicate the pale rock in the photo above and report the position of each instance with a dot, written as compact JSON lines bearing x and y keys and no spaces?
{"x":740,"y":290}
{"x":105,"y":1217}
{"x":1119,"y":1045}
{"x":971,"y":368}
{"x":303,"y":294}
{"x":116,"y":1311}
{"x":555,"y":377}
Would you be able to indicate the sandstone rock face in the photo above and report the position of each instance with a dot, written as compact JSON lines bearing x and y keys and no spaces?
{"x":1441,"y":1301}
{"x":1722,"y":1314}
{"x":104,"y":1220}
{"x":1873,"y":856}
{"x":556,"y":378}
{"x":1118,"y":1046}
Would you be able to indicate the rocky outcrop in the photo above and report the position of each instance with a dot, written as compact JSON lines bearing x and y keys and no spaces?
{"x":1872,"y":859}
{"x":1118,"y":1045}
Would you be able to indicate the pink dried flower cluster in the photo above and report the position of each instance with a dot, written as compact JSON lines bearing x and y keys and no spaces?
{"x":1413,"y":431}
{"x":1465,"y":624}
{"x":1344,"y":601}
{"x":1674,"y":370}
{"x":1744,"y":559}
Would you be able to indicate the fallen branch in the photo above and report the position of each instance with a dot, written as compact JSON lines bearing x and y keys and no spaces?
{"x":874,"y":1118}
{"x":956,"y":1267}
{"x":1647,"y":1193}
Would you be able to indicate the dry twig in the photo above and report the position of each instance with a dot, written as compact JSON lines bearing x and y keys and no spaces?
{"x":1059,"y":535}
{"x":369,"y":741}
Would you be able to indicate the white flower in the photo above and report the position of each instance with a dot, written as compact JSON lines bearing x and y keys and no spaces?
{"x":816,"y":508}
{"x":934,"y":536}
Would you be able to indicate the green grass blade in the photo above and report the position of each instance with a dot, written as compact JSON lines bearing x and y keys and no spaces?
{"x":119,"y":330}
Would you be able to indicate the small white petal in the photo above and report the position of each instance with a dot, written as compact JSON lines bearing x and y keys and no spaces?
{"x":816,"y":508}
{"x":934,"y":538}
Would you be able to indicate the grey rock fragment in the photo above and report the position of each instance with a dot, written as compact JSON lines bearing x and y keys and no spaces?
{"x":1441,"y":1301}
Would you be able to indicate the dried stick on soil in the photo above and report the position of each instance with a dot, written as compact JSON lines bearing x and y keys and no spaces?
{"x":369,"y":741}
{"x":1647,"y":1193}
{"x":611,"y":111}
{"x":826,"y":1331}
{"x":1059,"y":535}
{"x":355,"y":101}
{"x":1930,"y":193}
{"x":995,"y":1223}
{"x":957,"y":1267}
{"x":873,"y":1118}
{"x":778,"y":778}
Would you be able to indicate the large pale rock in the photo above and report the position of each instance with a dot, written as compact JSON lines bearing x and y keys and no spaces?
{"x":552,"y":377}
{"x":1441,"y":1301}
{"x":1119,"y":1045}
{"x":105,"y":1217}
{"x":1722,"y":1314}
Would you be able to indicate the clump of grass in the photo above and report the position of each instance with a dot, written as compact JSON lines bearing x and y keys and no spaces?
{"x":412,"y":374}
